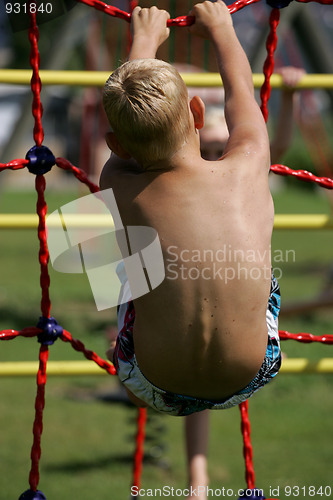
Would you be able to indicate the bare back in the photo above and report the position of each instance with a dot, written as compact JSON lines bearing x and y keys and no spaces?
{"x":203,"y":331}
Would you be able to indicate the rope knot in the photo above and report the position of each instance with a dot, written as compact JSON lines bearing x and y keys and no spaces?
{"x":51,"y":330}
{"x":41,"y":160}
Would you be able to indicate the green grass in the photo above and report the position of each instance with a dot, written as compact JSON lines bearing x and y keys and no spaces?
{"x":87,"y":445}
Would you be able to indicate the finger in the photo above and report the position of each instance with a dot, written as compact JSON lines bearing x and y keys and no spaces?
{"x":135,"y":13}
{"x":136,"y":10}
{"x":167,"y":14}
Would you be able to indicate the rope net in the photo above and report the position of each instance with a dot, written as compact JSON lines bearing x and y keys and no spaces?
{"x":39,"y":160}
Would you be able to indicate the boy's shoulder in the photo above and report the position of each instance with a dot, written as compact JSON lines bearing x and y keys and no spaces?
{"x":118,"y":170}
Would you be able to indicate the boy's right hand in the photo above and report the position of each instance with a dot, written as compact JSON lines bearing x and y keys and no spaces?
{"x":290,"y":76}
{"x":209,"y":17}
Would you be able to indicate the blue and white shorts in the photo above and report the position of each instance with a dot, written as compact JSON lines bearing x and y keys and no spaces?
{"x":176,"y":404}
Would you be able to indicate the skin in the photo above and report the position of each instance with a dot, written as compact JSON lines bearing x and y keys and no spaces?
{"x":284,"y":127}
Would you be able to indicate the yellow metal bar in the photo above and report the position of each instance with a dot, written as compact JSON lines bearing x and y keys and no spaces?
{"x":214,"y":80}
{"x":98,"y":79}
{"x":55,"y":368}
{"x":303,"y":365}
{"x":18,"y":221}
{"x":282,"y":221}
{"x":88,"y":368}
{"x":303,"y":221}
{"x":30,"y":221}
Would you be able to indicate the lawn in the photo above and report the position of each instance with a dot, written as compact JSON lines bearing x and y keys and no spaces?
{"x":87,"y":443}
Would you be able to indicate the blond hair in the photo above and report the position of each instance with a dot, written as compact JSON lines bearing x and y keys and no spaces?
{"x":146,"y":102}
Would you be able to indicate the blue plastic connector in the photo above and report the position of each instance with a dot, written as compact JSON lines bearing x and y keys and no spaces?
{"x":41,"y":160}
{"x":32,"y":495}
{"x":252,"y":495}
{"x":51,"y":330}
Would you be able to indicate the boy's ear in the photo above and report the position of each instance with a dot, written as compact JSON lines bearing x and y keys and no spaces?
{"x":115,"y":146}
{"x":197,"y":108}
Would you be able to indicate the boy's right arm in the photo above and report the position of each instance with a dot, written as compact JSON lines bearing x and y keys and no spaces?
{"x":285,"y":122}
{"x":247,"y":128}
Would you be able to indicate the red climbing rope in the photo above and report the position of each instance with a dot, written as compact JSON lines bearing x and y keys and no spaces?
{"x":25,"y":332}
{"x":107,"y":9}
{"x":43,"y":249}
{"x":79,"y":346}
{"x":79,"y":174}
{"x":38,"y":135}
{"x":139,"y":451}
{"x":38,"y":422}
{"x":247,"y":446}
{"x":240,"y":4}
{"x":306,"y":338}
{"x":325,"y":182}
{"x":271,"y":44}
{"x":178,"y":21}
{"x":14,"y":165}
{"x":36,"y":84}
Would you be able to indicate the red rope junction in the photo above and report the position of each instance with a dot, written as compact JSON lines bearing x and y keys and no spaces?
{"x":39,"y":160}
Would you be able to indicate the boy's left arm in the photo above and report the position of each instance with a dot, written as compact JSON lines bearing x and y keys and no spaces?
{"x":149,"y":31}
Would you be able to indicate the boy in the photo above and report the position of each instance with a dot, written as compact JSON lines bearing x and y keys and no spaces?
{"x":206,"y":337}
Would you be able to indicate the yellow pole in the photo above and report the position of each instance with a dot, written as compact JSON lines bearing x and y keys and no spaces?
{"x":30,"y":221}
{"x":303,"y":365}
{"x":56,"y":368}
{"x":88,"y":368}
{"x":303,"y":221}
{"x":98,"y":79}
{"x":282,"y":221}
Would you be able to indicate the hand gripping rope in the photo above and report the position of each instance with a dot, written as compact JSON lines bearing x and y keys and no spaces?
{"x":39,"y":160}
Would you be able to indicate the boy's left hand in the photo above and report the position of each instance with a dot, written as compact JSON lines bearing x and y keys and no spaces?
{"x":149,"y":30}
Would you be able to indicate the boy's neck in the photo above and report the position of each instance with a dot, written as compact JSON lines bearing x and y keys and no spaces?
{"x":188,"y":151}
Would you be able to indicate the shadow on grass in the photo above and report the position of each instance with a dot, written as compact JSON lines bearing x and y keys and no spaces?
{"x":16,"y":318}
{"x":98,"y":463}
{"x":106,"y":462}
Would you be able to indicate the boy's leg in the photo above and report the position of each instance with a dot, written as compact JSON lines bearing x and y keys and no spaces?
{"x":136,"y":401}
{"x":112,"y":338}
{"x":109,"y":353}
{"x":196,"y":438}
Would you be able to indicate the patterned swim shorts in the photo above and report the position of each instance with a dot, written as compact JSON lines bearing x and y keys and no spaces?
{"x":179,"y":405}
